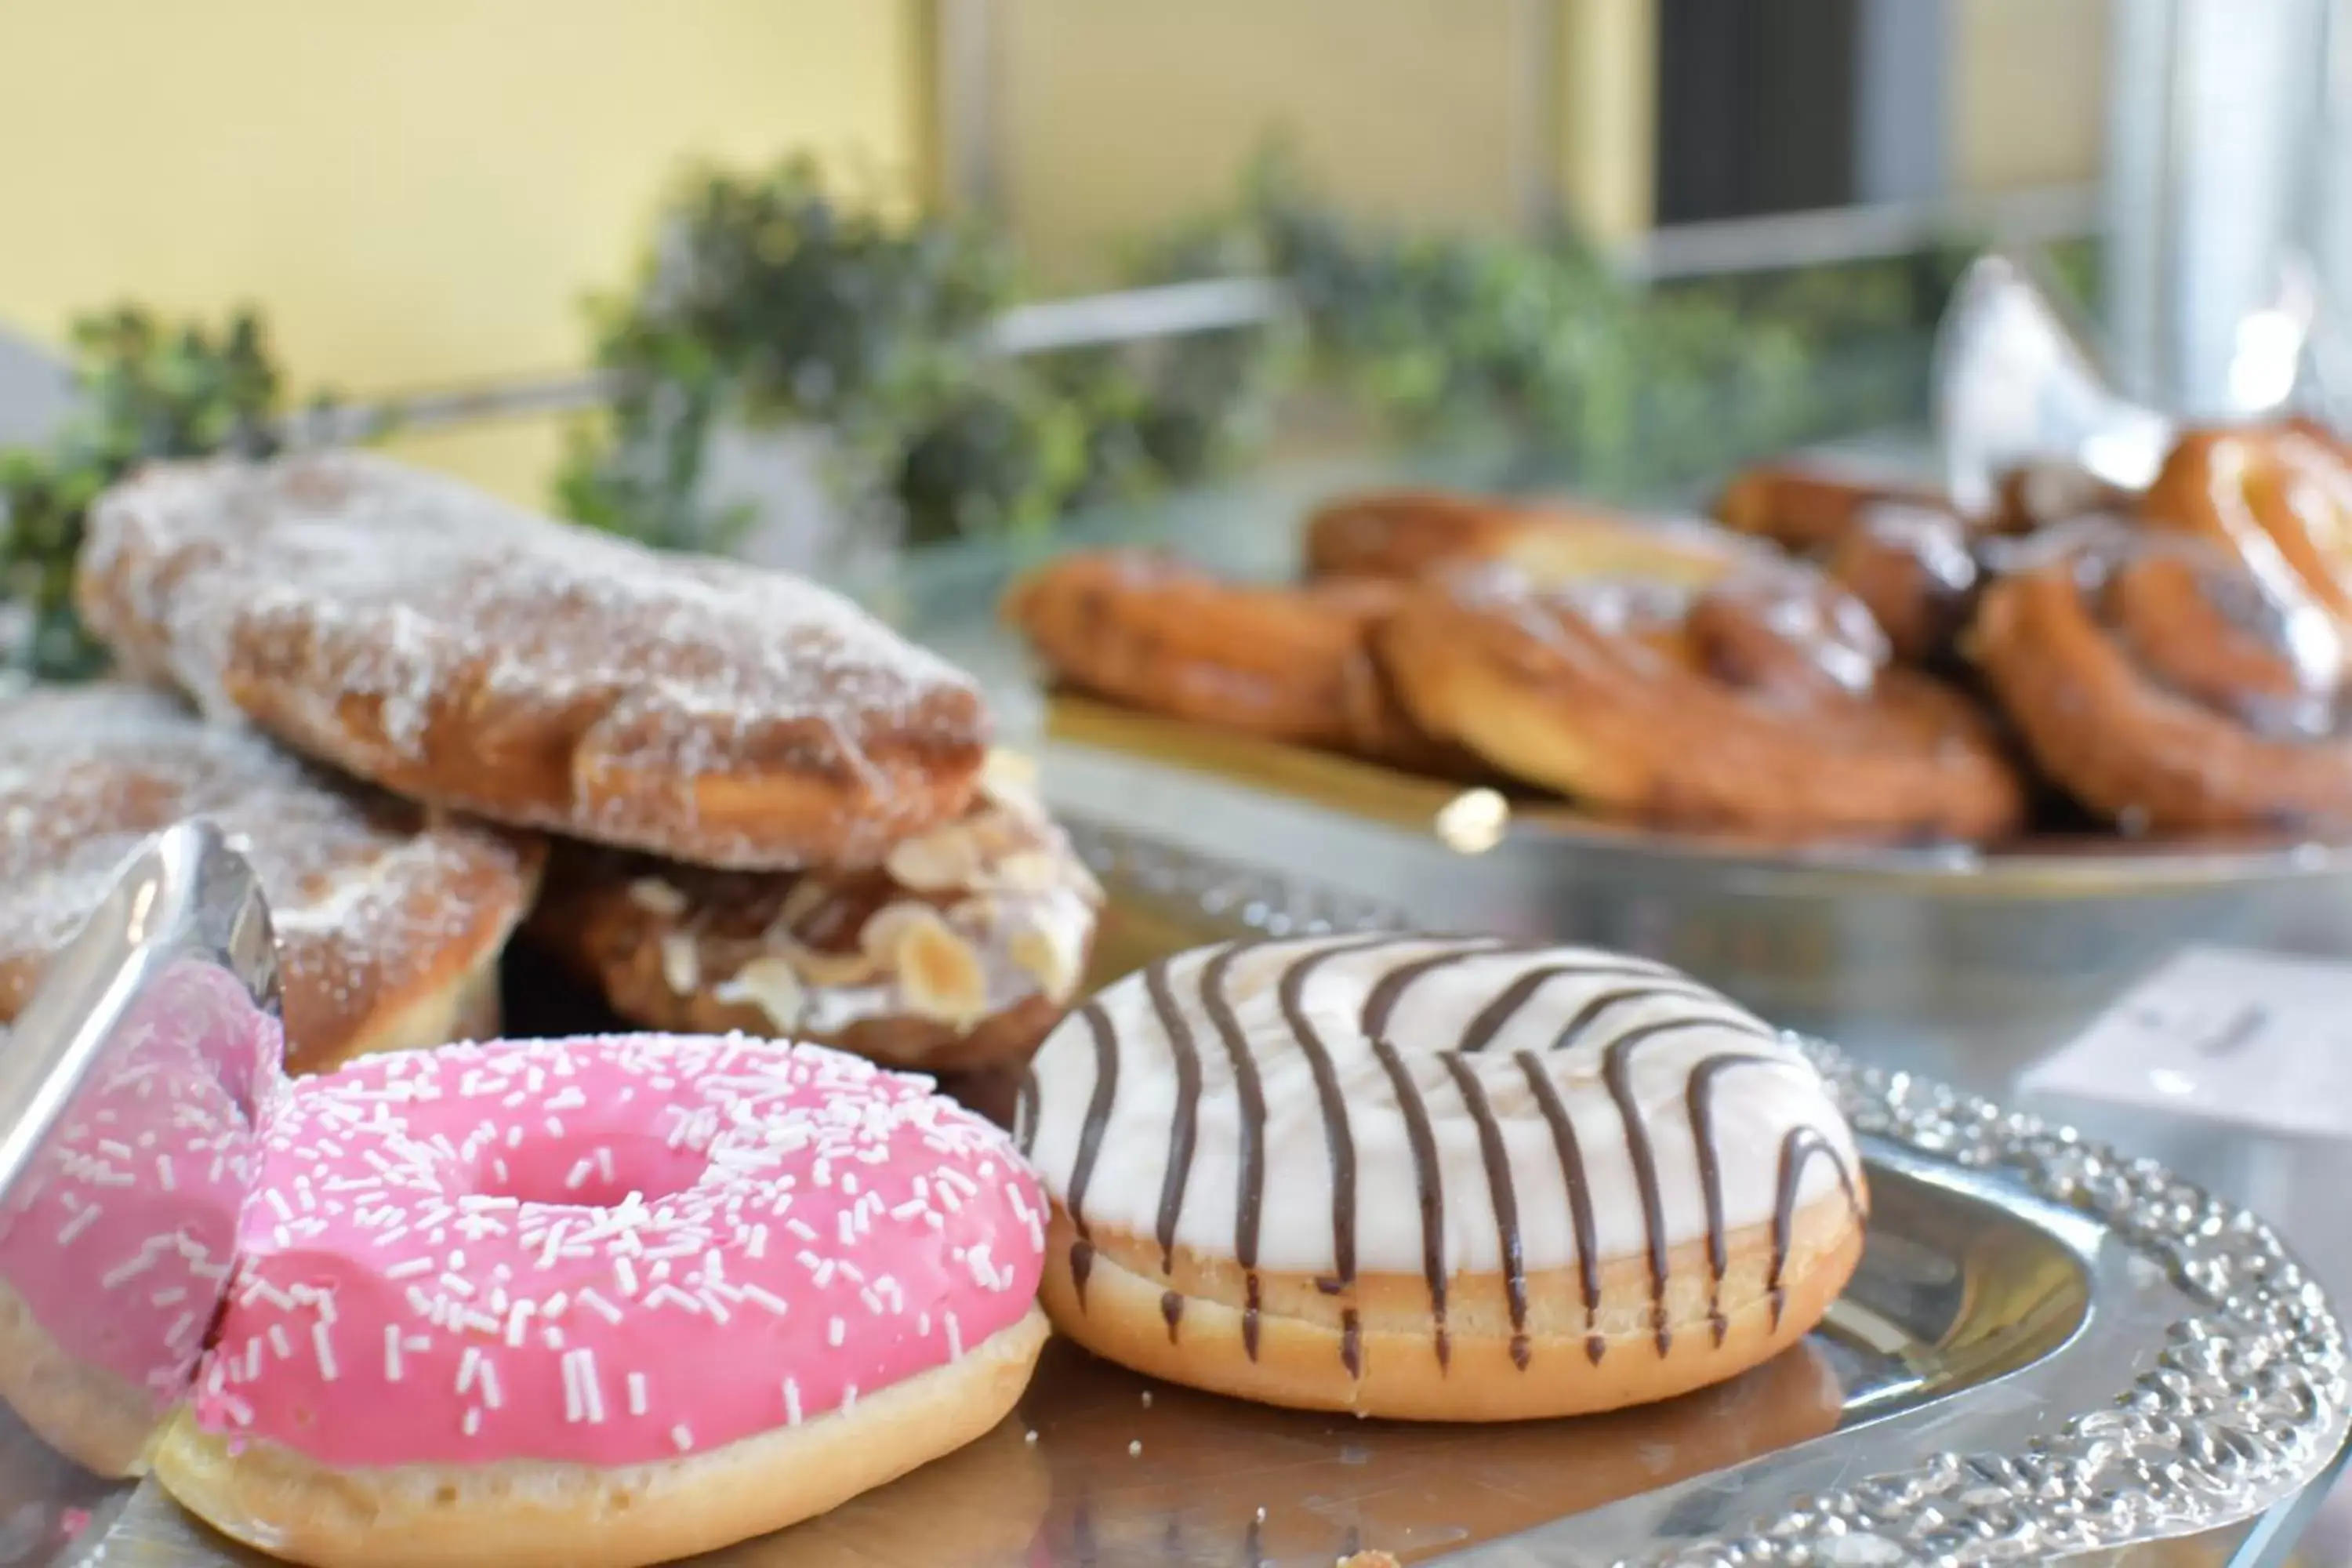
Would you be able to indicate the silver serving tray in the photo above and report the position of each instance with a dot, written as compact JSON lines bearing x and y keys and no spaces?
{"x":1910,"y":951}
{"x":2048,"y":1349}
{"x":2158,"y":1364}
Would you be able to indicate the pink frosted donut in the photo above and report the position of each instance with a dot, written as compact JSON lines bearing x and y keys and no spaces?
{"x":604,"y":1301}
{"x":116,"y":1246}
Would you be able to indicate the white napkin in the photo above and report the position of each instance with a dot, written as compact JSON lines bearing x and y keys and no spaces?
{"x":2224,"y":1034}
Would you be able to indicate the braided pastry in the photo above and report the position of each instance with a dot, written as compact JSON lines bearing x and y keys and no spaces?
{"x":1764,"y":704}
{"x":1294,"y":665}
{"x":2169,"y":687}
{"x":2279,"y":498}
{"x":1411,"y":534}
{"x":1914,"y":570}
{"x":1806,"y":507}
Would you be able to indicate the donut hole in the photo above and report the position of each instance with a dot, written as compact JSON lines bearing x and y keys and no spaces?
{"x":598,"y":1173}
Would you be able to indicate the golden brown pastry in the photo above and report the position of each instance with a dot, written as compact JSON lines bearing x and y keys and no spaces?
{"x":2279,"y":498}
{"x":1435,"y":1178}
{"x":1408,"y":534}
{"x":1807,"y":507}
{"x":390,"y":918}
{"x":1764,"y":705}
{"x":2168,"y":686}
{"x":1286,"y":664}
{"x":958,"y":951}
{"x":456,"y":650}
{"x":1914,"y":570}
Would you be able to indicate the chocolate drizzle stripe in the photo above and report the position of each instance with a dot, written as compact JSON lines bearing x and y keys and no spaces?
{"x":1090,"y":1137}
{"x":1496,"y":1015}
{"x":1499,"y":1188}
{"x":1580,"y":1194}
{"x":1381,"y":1002}
{"x":1616,"y":1068}
{"x":1598,"y":1005}
{"x":1698,"y":1101}
{"x":1292,"y":973}
{"x":1250,"y":1136}
{"x":1184,"y":1126}
{"x":1025,"y":1114}
{"x":1290,"y":993}
{"x":1797,"y":1150}
{"x":1429,"y":1185}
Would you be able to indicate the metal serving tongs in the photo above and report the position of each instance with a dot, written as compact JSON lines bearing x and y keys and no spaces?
{"x":133,"y":1089}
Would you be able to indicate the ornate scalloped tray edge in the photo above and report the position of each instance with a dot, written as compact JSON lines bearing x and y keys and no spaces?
{"x":2242,"y":1406}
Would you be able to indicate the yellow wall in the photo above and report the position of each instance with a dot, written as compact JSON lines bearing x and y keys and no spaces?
{"x":1609,"y":115}
{"x":2029,"y":100}
{"x":418,"y":192}
{"x":1116,"y":118}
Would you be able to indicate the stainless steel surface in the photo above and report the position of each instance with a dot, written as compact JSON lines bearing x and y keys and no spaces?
{"x":130,"y":1085}
{"x":2015,"y":1279}
{"x":2087,"y":1483}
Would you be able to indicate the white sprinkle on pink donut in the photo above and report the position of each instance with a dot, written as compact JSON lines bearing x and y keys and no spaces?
{"x":464,"y":1278}
{"x":119,"y":1240}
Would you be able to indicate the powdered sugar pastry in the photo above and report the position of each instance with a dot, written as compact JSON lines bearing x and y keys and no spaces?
{"x":446,"y":645}
{"x":366,"y":893}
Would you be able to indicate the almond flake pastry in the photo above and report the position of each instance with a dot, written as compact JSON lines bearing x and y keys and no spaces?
{"x":960,"y":950}
{"x":460,"y":651}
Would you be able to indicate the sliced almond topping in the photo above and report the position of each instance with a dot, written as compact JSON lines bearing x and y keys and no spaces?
{"x":1027,"y":871}
{"x":653,"y":893}
{"x":1051,"y":962}
{"x":768,"y":983}
{"x":831,"y":970}
{"x":681,"y":964}
{"x":886,"y":927}
{"x":935,"y":862}
{"x":802,"y":900}
{"x":940,"y":972}
{"x":1008,"y":773}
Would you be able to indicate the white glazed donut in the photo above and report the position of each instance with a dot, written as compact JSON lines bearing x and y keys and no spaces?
{"x":1447,"y":1179}
{"x":604,"y":1301}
